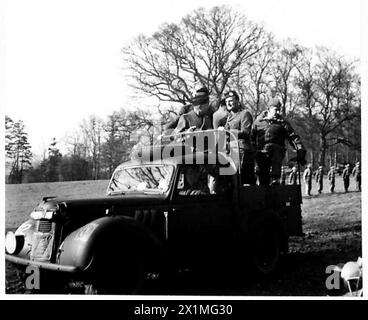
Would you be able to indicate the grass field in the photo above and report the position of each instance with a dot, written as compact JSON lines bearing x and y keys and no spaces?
{"x":331,"y":223}
{"x":20,"y":199}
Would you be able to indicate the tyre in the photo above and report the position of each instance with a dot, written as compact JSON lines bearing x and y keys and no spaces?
{"x":116,"y":276}
{"x":265,"y":247}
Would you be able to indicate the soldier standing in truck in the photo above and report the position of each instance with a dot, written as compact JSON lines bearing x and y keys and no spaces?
{"x":269,"y":132}
{"x":196,"y":116}
{"x":240,"y":123}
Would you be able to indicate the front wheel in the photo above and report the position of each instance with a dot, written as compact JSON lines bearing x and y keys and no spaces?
{"x":114,"y":276}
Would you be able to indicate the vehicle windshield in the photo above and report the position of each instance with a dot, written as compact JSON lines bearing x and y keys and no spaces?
{"x":153,"y":178}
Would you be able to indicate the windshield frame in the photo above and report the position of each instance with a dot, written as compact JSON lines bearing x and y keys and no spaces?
{"x":157,"y":192}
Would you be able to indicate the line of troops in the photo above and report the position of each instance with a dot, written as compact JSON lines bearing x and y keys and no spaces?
{"x":261,"y":142}
{"x":331,"y":176}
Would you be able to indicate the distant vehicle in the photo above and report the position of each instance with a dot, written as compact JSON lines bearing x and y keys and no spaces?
{"x":150,"y":222}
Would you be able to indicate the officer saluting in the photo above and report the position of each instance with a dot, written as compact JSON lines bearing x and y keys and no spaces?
{"x":270,"y":130}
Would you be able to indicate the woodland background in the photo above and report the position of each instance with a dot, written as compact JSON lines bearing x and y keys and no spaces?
{"x":221,"y":49}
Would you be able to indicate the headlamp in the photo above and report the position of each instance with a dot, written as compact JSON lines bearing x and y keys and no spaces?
{"x":37,"y":215}
{"x":13,"y":243}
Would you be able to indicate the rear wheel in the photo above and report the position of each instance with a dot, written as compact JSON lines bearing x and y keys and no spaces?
{"x":266,"y":256}
{"x":265,"y":247}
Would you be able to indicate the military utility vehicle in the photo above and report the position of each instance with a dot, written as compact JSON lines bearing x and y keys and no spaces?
{"x":174,"y":204}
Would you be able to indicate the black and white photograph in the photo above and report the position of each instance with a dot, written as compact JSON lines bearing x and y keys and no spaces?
{"x":170,"y":149}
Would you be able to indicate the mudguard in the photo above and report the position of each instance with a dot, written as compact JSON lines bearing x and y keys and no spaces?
{"x":120,"y":233}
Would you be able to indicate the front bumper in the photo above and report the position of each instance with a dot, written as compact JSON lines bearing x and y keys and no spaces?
{"x":42,"y":265}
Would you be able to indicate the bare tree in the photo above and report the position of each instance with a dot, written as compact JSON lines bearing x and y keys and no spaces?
{"x":253,"y":78}
{"x":206,"y":47}
{"x":330,"y":91}
{"x":75,"y":144}
{"x":92,"y":129}
{"x":285,"y":61}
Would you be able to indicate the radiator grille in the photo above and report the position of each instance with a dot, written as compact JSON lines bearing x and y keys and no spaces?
{"x":44,"y":226}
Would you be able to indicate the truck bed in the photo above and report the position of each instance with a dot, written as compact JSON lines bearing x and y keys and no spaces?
{"x":285,"y":200}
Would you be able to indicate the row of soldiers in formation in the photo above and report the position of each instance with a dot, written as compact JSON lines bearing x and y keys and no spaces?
{"x":261,"y":142}
{"x":308,"y":177}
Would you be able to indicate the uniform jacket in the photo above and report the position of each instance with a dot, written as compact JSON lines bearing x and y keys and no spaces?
{"x":191,"y":119}
{"x":319,"y":176}
{"x":173,"y":123}
{"x":241,"y":123}
{"x":356,"y":171}
{"x":273,"y":131}
{"x":283,"y":177}
{"x":293,"y":177}
{"x":219,"y":117}
{"x":307,"y":175}
{"x":183,"y":110}
{"x":331,"y":175}
{"x":346,"y":174}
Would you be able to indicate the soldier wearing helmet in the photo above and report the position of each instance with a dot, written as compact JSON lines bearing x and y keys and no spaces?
{"x":346,"y":177}
{"x":269,"y":132}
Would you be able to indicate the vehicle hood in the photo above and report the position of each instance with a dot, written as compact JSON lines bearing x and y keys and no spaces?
{"x":81,"y":211}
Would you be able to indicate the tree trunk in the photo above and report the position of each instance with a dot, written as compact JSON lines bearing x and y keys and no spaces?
{"x":323,"y":149}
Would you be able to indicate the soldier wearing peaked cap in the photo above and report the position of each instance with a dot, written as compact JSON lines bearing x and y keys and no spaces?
{"x":270,"y":130}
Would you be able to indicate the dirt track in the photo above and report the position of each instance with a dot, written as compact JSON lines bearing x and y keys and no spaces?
{"x":332,"y":227}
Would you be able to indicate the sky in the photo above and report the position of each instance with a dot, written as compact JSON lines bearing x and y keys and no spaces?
{"x":61,"y":60}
